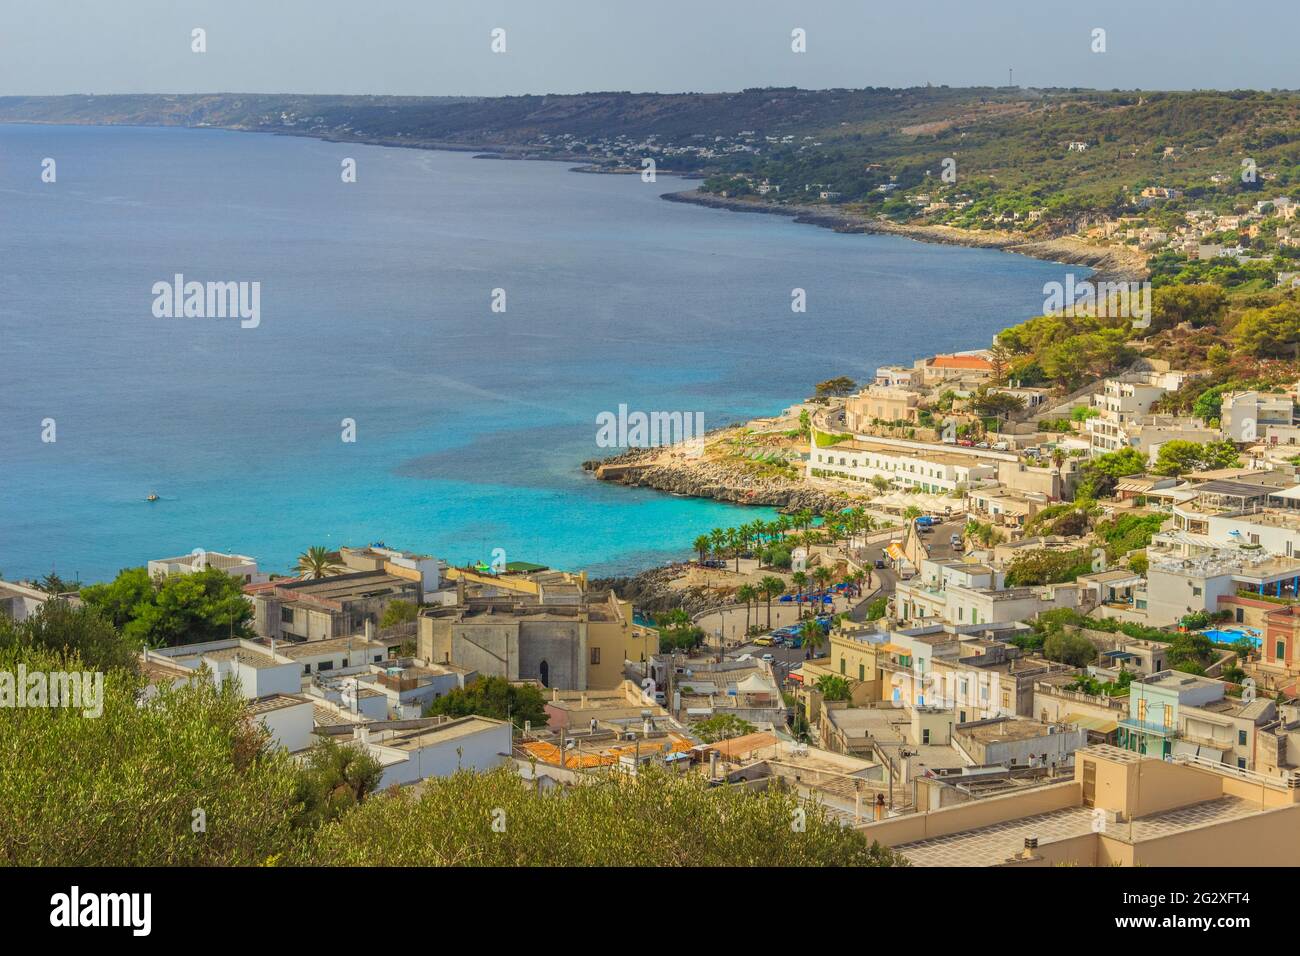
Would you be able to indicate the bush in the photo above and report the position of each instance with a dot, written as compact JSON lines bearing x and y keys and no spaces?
{"x":123,"y":789}
{"x":1069,"y":647}
{"x":655,"y":818}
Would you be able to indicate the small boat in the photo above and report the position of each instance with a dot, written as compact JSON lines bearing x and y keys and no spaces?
{"x":152,"y":497}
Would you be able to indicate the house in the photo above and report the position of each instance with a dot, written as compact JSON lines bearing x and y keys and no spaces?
{"x":1244,"y":416}
{"x":329,"y":607}
{"x":413,"y":750}
{"x":880,"y":404}
{"x":236,"y":565}
{"x":1172,"y":713}
{"x":1018,"y":741}
{"x":18,"y":602}
{"x":939,"y":369}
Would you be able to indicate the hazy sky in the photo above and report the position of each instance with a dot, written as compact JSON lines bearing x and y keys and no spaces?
{"x":441,"y":47}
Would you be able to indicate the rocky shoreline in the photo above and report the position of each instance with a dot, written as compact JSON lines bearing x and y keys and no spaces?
{"x":651,"y":591}
{"x":1110,"y":265}
{"x":645,"y":468}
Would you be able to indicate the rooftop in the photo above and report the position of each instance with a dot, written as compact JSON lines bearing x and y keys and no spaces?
{"x":995,"y":844}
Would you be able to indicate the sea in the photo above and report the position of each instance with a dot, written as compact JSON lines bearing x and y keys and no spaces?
{"x":434,"y":345}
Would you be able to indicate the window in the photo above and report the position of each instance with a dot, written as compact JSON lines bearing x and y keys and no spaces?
{"x":1196,"y":592}
{"x":1241,"y":738}
{"x":925,"y":736}
{"x":842,"y":665}
{"x":1280,"y":650}
{"x":862,"y":672}
{"x":325,"y":666}
{"x":595,"y":655}
{"x":378,"y":658}
{"x":1241,"y":615}
{"x":306,"y":668}
{"x":1241,"y":763}
{"x":286,"y":615}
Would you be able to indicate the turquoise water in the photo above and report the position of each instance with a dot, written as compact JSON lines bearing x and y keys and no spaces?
{"x":471,"y":425}
{"x":1231,"y":637}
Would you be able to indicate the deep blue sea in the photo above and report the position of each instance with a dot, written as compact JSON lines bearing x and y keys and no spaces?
{"x":375,"y":306}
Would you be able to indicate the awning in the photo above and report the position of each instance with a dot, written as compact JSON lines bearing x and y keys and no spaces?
{"x":1291,"y":494}
{"x":895,"y":551}
{"x":1098,"y":725}
{"x":1144,"y":484}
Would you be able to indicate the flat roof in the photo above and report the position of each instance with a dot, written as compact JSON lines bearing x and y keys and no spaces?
{"x":333,"y":645}
{"x":995,"y":844}
{"x":254,"y":659}
{"x":273,"y":702}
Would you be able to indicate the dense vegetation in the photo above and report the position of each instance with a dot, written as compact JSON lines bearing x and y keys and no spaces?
{"x":186,"y":778}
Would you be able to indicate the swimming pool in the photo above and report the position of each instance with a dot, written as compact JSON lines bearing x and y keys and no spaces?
{"x":1232,"y":637}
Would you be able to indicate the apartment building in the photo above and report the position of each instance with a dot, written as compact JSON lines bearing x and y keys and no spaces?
{"x":933,"y":470}
{"x":920,"y":601}
{"x":1173,"y":713}
{"x":880,"y":404}
{"x":1119,"y":809}
{"x":1246,"y":416}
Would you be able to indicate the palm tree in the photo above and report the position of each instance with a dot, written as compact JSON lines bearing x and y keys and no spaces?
{"x":911,"y":513}
{"x":812,"y":635}
{"x":736,"y":541}
{"x":746,"y":593}
{"x":822,"y":575}
{"x":718,"y":540}
{"x":858,"y":577}
{"x":702,"y":546}
{"x":800,"y":579}
{"x":319,"y":562}
{"x":770,"y":587}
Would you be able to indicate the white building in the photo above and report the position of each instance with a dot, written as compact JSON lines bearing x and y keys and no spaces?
{"x":1245,"y":416}
{"x":236,"y":565}
{"x":435,"y":749}
{"x":934,"y":472}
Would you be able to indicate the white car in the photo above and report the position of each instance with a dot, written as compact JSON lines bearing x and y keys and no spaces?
{"x":767,"y":658}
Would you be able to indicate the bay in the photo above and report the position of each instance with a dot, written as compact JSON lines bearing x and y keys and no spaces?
{"x":375,"y":306}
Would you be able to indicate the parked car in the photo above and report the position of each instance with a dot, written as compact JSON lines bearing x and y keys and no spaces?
{"x":765,"y":641}
{"x":879,"y":563}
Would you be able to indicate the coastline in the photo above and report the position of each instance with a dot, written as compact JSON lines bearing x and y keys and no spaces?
{"x":707,"y":480}
{"x":1109,"y":265}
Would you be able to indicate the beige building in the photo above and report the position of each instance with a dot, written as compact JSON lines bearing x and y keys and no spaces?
{"x":546,"y":627}
{"x":880,"y":404}
{"x":1120,"y":809}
